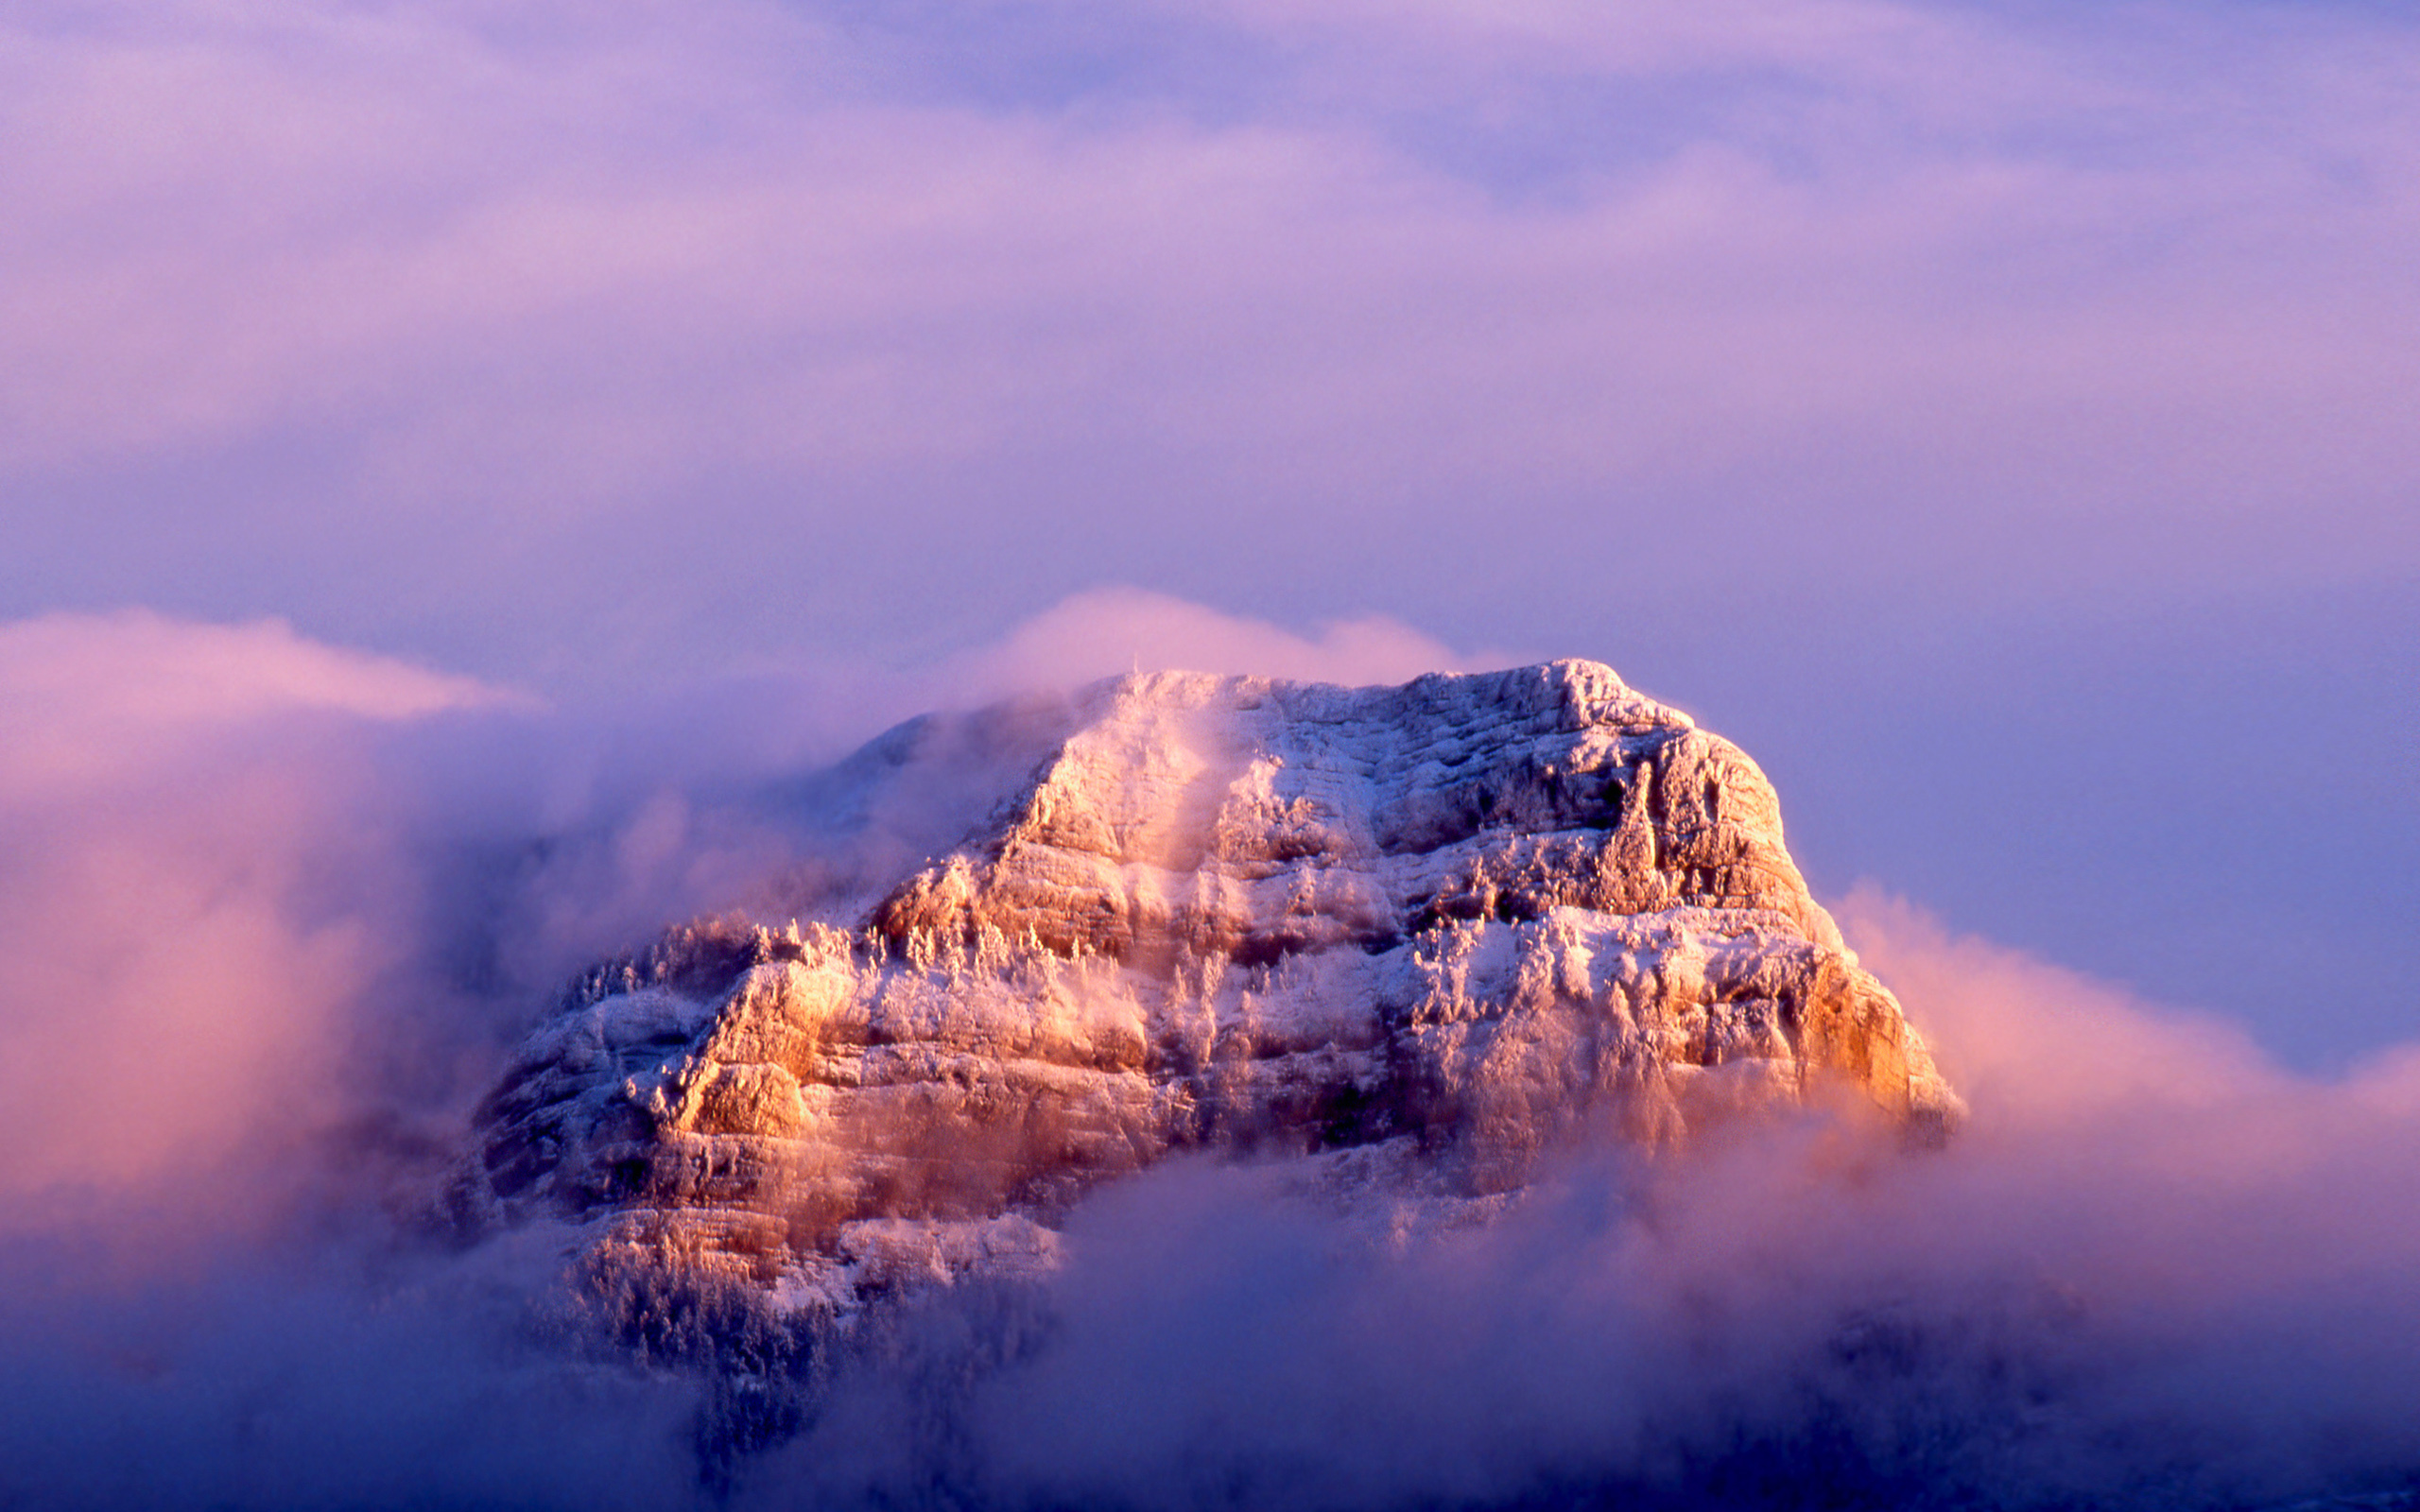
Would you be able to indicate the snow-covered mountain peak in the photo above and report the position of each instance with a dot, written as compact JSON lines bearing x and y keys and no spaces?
{"x":1419,"y":935}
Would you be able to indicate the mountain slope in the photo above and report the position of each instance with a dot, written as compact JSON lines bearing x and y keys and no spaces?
{"x":1422,"y":934}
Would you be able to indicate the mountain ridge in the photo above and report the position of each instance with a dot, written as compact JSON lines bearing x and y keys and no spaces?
{"x":1420,"y":935}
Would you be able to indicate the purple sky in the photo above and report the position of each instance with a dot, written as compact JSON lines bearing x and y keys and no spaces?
{"x":1997,"y":416}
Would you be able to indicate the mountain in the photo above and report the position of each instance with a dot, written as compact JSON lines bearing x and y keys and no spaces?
{"x":1420,"y":935}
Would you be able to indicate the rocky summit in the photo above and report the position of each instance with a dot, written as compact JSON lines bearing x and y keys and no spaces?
{"x":1421,"y":936}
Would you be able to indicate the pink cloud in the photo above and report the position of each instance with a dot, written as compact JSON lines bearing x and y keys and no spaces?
{"x":2162,"y":1160}
{"x":2152,"y":1257}
{"x":567,"y":273}
{"x":97,"y":698}
{"x":207,"y":855}
{"x":1109,"y":631}
{"x":198,"y":876}
{"x":2154,"y":1270}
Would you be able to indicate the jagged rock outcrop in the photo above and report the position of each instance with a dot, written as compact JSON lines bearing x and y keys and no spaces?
{"x":1427,"y":930}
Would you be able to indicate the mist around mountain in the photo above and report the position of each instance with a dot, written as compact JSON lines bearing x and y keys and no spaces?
{"x":258,"y":964}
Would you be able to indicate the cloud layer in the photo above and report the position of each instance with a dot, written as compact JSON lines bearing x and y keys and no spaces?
{"x":2154,"y":1271}
{"x":256,"y":965}
{"x":805,"y":306}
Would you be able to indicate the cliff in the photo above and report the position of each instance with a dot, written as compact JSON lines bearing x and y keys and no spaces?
{"x":1420,"y":933}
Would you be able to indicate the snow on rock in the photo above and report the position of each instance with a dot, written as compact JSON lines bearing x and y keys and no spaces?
{"x":1424,"y":932}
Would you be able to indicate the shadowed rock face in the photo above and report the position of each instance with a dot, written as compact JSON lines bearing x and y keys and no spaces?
{"x":1423,"y":931}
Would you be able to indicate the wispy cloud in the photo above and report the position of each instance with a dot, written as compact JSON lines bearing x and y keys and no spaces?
{"x":1925,"y":292}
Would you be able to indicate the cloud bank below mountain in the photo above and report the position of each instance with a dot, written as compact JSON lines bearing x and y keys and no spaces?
{"x":2156,"y":1269}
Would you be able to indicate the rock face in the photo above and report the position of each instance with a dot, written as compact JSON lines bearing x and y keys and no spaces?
{"x":1421,"y":932}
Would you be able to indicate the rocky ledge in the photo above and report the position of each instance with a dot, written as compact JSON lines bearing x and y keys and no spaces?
{"x":1422,"y":934}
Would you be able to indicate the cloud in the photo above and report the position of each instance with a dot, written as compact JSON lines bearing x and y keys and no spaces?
{"x":2156,"y":1269}
{"x":98,"y":698}
{"x":274,"y":1380}
{"x":621,"y":334}
{"x":1107,"y":632}
{"x":232,"y":852}
{"x":195,"y":875}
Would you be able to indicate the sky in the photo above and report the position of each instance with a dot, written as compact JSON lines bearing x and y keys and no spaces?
{"x":1995,"y":416}
{"x":425,"y":426}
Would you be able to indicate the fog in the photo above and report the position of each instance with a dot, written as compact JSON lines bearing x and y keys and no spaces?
{"x":272,"y":911}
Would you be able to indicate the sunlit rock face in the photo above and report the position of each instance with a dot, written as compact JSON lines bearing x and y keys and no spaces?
{"x":1422,"y":933}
